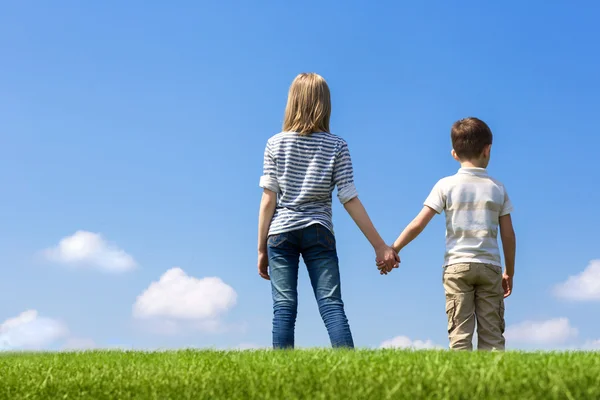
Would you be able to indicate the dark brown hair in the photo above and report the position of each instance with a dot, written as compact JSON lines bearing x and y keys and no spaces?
{"x":469,"y":137}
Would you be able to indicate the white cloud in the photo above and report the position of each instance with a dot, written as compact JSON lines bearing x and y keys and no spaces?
{"x":549,"y":332}
{"x":177,"y":297}
{"x":582,"y":287}
{"x":88,"y":249}
{"x":404,"y":342}
{"x":29,"y":331}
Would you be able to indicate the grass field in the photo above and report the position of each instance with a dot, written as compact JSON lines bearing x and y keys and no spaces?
{"x":303,"y":374}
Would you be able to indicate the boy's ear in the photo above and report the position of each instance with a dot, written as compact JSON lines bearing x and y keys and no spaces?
{"x":487,"y":151}
{"x":454,"y":155}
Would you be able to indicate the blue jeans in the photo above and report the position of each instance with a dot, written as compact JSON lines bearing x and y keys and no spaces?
{"x":316,"y":244}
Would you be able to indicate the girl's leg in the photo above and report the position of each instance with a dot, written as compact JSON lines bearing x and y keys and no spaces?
{"x":320,"y":256}
{"x":283,"y":269}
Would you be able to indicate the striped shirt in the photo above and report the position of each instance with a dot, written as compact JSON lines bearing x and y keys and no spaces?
{"x":303,"y":171}
{"x":473,"y":203}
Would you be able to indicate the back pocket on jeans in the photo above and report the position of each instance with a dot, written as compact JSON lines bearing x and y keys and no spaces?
{"x":325,"y":238}
{"x":276,"y":240}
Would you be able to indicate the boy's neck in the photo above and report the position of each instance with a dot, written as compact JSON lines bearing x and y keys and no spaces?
{"x":473,"y":164}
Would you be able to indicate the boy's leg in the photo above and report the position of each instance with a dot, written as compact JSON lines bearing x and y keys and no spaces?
{"x":284,"y":256}
{"x":460,"y":305}
{"x":320,"y":256}
{"x":489,"y":308}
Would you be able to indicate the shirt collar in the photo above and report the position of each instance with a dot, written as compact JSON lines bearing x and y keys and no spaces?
{"x":473,"y":171}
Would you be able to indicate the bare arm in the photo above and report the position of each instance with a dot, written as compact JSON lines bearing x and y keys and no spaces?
{"x":358,"y":213}
{"x":265,"y":215}
{"x":383,"y":252}
{"x":509,"y":243}
{"x":414,"y":228}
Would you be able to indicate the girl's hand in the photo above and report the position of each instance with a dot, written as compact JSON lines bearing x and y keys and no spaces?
{"x":383,"y":269}
{"x":263,"y":265}
{"x":386,"y":259}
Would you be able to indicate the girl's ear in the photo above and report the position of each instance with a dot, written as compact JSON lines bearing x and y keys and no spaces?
{"x":454,"y":155}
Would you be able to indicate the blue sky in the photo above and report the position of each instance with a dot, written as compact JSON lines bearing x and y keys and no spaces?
{"x":146,"y":124}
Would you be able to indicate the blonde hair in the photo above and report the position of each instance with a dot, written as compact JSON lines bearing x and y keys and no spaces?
{"x":309,"y":105}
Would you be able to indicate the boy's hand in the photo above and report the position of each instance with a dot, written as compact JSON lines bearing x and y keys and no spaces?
{"x":386,"y":260}
{"x":263,"y":265}
{"x":507,"y":284}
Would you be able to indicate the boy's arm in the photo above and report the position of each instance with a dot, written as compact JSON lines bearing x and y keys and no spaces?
{"x":383,"y":252}
{"x":509,"y":246}
{"x":434,"y":204}
{"x":414,"y":228}
{"x":268,"y":204}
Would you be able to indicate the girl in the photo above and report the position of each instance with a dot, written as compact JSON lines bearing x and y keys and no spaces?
{"x":302,"y":165}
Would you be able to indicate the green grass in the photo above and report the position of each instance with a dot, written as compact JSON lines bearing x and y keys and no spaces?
{"x":302,"y":374}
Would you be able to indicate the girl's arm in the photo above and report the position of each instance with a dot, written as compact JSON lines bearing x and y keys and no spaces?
{"x":343,"y":177}
{"x":383,"y":252}
{"x":268,"y":203}
{"x":265,"y":215}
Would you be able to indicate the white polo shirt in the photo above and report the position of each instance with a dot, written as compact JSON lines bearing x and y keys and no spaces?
{"x":473,"y":203}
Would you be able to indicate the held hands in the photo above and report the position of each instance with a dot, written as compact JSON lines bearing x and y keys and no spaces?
{"x":386,"y":259}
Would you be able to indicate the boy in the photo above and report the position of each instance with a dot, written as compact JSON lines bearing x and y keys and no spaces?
{"x":475,"y":205}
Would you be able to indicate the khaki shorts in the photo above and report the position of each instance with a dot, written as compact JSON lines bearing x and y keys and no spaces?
{"x":474,"y":292}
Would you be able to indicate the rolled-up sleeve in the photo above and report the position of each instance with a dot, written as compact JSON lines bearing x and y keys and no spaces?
{"x":343,"y":175}
{"x":269,"y":178}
